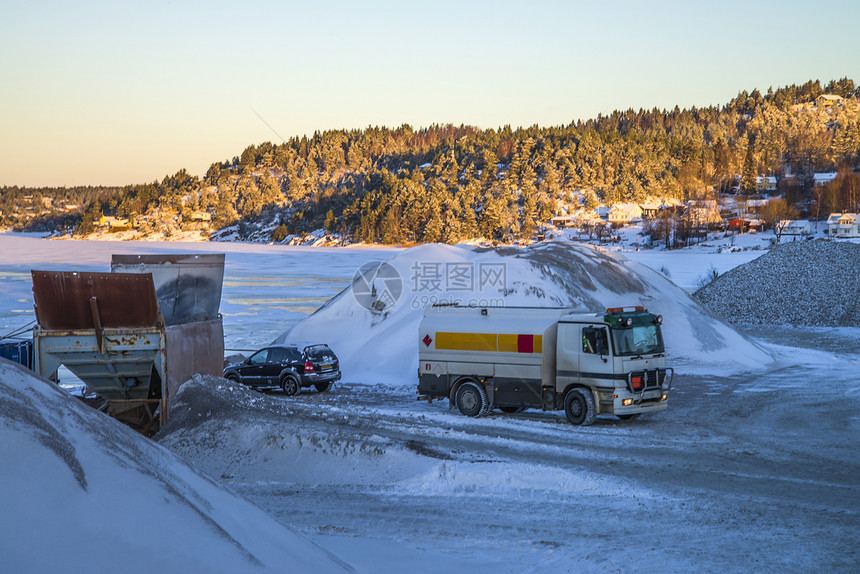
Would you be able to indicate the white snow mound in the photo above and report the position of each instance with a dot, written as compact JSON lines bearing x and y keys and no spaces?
{"x":229,"y":430}
{"x":83,"y":493}
{"x":381,"y":346}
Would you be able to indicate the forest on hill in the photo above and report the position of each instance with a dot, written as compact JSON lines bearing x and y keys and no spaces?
{"x":448,"y":183}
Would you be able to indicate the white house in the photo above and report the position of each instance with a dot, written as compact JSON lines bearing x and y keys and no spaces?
{"x":823,"y":178}
{"x":566,"y":220}
{"x":754,"y":206}
{"x":843,"y":225}
{"x":704,"y":212}
{"x":623,"y":213}
{"x":796,"y":227}
{"x":649,"y":209}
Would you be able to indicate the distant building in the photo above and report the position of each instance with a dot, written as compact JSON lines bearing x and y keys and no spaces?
{"x":796,"y":227}
{"x":743,"y":225}
{"x":113,"y":223}
{"x":200,"y":216}
{"x":843,"y":225}
{"x":704,"y":213}
{"x":823,"y":178}
{"x":624,"y":213}
{"x":649,"y":210}
{"x":765,"y":184}
{"x":754,"y":206}
{"x":827,"y":100}
{"x":561,"y":221}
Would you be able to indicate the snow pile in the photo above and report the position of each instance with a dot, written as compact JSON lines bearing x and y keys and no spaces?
{"x":239,"y":434}
{"x":809,"y":283}
{"x":84,"y":493}
{"x":379,"y":343}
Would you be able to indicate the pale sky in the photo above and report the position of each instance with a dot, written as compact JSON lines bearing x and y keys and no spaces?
{"x":113,"y":93}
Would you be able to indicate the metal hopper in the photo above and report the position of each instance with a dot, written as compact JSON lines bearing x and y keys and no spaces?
{"x":134,"y":336}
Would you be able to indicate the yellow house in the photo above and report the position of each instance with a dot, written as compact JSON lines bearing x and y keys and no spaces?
{"x":827,"y":100}
{"x":113,"y":223}
{"x":765,"y":184}
{"x":200,"y":216}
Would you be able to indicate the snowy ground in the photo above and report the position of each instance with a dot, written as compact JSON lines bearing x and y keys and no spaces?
{"x":753,"y":471}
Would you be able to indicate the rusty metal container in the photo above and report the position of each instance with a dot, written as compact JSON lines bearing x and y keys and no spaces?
{"x":188,"y":287}
{"x":111,"y":331}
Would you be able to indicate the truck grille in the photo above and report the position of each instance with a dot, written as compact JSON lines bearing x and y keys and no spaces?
{"x":653,"y":378}
{"x":639,"y":381}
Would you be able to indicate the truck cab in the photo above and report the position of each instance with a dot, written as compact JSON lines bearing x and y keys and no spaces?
{"x":618,"y":355}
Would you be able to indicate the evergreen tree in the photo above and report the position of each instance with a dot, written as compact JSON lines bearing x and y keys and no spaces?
{"x":748,"y":178}
{"x":529,"y":216}
{"x":330,"y":222}
{"x":433,"y":229}
{"x":591,"y":201}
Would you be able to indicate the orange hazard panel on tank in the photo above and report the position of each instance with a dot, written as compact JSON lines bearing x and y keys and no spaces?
{"x":489,"y":342}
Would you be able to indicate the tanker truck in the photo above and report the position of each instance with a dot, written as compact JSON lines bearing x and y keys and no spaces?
{"x":516,"y":358}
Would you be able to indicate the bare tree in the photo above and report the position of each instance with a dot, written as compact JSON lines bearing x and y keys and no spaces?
{"x":776,"y":214}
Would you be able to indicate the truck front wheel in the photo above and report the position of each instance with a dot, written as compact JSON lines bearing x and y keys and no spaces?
{"x":579,"y":407}
{"x":471,"y":400}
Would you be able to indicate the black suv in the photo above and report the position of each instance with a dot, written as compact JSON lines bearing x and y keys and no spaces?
{"x":288,"y":367}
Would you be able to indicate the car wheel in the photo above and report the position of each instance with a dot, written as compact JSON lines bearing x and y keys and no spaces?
{"x":471,"y":400}
{"x":579,"y":407}
{"x":233,"y":378}
{"x":323,"y":387}
{"x":290,"y":385}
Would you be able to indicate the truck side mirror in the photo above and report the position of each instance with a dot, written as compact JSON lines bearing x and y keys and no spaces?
{"x":602,"y":344}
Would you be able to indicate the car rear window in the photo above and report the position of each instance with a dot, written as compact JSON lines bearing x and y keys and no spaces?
{"x":319,"y":353}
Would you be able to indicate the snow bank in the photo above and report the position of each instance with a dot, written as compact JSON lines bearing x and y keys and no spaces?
{"x":221,"y":425}
{"x":83,"y":493}
{"x":379,"y":345}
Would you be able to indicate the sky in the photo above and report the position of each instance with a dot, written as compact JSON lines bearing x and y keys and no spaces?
{"x":114,"y":93}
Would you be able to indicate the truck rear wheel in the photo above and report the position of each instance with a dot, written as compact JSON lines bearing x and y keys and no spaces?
{"x":471,"y":400}
{"x":579,"y":407}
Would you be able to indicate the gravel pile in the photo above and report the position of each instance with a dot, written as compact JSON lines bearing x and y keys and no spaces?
{"x":815,"y":283}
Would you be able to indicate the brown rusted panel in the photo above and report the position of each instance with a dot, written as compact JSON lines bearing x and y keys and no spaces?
{"x":193,"y":348}
{"x":188,"y":286}
{"x":123,"y":300}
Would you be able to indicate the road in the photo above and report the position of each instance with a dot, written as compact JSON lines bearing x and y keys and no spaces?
{"x":756,"y":471}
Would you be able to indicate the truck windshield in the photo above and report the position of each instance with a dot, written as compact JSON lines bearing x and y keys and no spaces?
{"x":638,"y":340}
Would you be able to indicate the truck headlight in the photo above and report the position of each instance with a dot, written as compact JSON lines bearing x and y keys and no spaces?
{"x":628,"y":402}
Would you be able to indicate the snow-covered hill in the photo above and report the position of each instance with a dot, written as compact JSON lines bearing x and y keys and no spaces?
{"x":375,"y":334}
{"x":83,"y":493}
